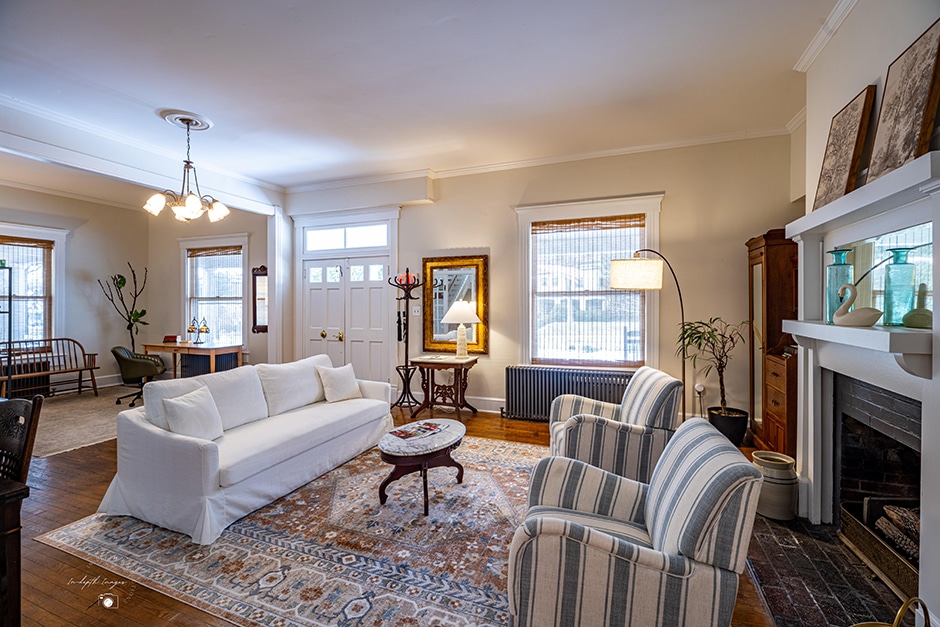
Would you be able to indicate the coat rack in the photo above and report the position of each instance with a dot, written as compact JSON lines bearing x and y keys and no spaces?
{"x":406,"y":282}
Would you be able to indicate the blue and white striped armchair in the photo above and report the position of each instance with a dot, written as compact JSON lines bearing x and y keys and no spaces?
{"x":599,"y":549}
{"x":625,"y":439}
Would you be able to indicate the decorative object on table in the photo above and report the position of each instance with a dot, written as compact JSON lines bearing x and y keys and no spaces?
{"x":899,"y":287}
{"x":844,"y":149}
{"x":838,"y":273}
{"x":778,"y":494}
{"x":406,"y":283}
{"x":198,"y":328}
{"x":908,"y":106}
{"x":861,"y":317}
{"x":643,"y":273}
{"x":461,"y":313}
{"x":188,"y":204}
{"x":900,"y":616}
{"x":447,"y":280}
{"x":114,"y":292}
{"x":712,"y":341}
{"x":920,"y":317}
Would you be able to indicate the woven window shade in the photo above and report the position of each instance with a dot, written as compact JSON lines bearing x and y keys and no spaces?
{"x":577,"y":318}
{"x":216,"y":291}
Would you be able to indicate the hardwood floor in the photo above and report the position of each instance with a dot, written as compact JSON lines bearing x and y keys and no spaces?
{"x":60,"y":590}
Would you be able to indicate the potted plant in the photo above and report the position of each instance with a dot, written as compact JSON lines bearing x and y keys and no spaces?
{"x":712,"y":341}
{"x":126,"y":306}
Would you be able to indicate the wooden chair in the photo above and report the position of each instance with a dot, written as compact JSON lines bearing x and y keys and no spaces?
{"x":18,"y":421}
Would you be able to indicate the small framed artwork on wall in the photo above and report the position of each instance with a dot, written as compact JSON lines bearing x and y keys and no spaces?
{"x":909,"y":105}
{"x":844,"y":148}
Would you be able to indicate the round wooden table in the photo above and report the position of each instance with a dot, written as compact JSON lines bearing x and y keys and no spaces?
{"x":418,"y":453}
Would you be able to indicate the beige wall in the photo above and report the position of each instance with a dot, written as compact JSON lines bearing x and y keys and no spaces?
{"x":716,"y":197}
{"x":101,"y":241}
{"x":166,"y":270}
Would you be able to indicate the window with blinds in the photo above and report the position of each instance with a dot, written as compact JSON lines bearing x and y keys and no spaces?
{"x":216,"y":291}
{"x":31,"y":274}
{"x":577,"y":319}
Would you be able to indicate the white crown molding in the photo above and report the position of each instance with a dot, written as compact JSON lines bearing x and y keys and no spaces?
{"x":797,"y":120}
{"x":365,"y":180}
{"x":825,"y":33}
{"x":51,"y":191}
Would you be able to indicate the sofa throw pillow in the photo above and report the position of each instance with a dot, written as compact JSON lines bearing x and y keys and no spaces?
{"x":292,"y":385}
{"x":340,"y":383}
{"x":194,"y":414}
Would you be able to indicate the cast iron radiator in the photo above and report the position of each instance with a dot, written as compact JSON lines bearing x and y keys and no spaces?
{"x":29,"y":386}
{"x":531,"y":389}
{"x":191,"y":365}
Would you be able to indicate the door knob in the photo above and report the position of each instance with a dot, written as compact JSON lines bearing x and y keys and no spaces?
{"x":323,"y":333}
{"x":340,"y":336}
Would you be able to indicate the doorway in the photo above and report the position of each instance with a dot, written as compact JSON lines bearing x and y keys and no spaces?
{"x":345,"y":309}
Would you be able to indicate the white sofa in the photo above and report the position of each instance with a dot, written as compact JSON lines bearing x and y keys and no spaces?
{"x":278,"y":431}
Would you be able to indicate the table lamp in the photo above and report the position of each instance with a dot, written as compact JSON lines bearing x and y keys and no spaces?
{"x":461,"y":313}
{"x":643,"y":273}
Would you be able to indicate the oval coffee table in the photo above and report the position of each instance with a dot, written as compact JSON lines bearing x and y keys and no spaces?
{"x":418,"y":453}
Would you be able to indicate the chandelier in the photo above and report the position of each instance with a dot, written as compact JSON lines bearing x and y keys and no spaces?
{"x":190,"y":203}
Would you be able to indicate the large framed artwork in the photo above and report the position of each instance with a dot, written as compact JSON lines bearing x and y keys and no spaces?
{"x":844,"y":148}
{"x":909,"y":105}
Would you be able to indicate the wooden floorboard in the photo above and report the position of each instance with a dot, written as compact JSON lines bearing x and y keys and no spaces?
{"x":69,"y":486}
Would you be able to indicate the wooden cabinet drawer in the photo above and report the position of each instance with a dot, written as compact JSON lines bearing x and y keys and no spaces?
{"x":776,"y":372}
{"x":776,"y":402}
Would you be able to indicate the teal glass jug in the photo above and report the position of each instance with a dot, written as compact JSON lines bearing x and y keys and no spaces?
{"x":899,"y":287}
{"x":838,"y":273}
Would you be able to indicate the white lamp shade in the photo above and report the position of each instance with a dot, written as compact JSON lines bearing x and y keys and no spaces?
{"x":461,"y":312}
{"x":636,"y":274}
{"x":217,"y":211}
{"x":155,"y":204}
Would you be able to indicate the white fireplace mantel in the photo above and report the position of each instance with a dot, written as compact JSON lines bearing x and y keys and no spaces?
{"x":894,"y":358}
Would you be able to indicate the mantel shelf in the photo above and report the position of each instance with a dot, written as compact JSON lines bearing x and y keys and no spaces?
{"x":912,"y":348}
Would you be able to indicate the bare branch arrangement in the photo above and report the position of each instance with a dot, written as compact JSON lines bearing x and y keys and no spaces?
{"x":114,"y":291}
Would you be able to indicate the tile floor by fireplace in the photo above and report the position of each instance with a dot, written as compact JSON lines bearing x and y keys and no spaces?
{"x":810,"y":579}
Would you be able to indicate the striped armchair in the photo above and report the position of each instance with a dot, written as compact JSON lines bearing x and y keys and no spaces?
{"x":625,"y":439}
{"x":599,"y":549}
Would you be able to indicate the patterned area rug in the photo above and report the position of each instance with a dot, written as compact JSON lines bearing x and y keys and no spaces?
{"x":329,"y":554}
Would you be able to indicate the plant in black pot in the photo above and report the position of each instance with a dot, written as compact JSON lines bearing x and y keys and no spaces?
{"x":712,"y":342}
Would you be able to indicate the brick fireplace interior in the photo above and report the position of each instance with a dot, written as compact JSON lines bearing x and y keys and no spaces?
{"x":877,"y":484}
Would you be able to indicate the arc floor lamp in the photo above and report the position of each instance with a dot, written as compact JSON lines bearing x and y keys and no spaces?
{"x":643,"y":273}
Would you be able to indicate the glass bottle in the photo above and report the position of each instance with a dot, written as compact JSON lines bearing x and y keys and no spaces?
{"x":899,"y":287}
{"x":837,"y":274}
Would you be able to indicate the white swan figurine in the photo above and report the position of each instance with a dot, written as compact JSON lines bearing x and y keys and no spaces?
{"x":863,"y":317}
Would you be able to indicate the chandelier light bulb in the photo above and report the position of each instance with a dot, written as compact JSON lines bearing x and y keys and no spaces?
{"x":218,"y":211}
{"x":155,"y":204}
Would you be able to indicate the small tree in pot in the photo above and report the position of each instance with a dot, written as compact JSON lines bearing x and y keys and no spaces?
{"x":114,"y":291}
{"x":712,"y":341}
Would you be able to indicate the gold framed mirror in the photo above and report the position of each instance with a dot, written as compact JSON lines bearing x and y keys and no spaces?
{"x":259,"y":300}
{"x":447,"y":280}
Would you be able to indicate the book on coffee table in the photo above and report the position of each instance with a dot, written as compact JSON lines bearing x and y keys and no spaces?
{"x":417,"y":430}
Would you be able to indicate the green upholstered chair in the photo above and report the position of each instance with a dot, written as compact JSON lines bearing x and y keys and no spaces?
{"x":136,"y":369}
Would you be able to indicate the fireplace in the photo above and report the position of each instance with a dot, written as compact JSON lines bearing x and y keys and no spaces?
{"x":877,"y":484}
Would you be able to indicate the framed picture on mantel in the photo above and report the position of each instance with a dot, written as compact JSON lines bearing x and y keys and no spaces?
{"x":844,"y":148}
{"x":909,"y":105}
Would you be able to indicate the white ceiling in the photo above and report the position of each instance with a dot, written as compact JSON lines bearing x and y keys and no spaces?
{"x":305,"y":92}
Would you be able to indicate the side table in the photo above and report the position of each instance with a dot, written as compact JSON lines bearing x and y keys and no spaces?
{"x":439,"y":394}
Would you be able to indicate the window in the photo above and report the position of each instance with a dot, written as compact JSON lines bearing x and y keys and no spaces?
{"x":31,"y":271}
{"x":573,"y":317}
{"x":343,"y":238}
{"x":215,"y":290}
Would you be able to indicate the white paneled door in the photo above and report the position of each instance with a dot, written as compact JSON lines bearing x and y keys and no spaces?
{"x":346,"y":313}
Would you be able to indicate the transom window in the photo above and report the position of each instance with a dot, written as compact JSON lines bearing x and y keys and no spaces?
{"x":346,"y":237}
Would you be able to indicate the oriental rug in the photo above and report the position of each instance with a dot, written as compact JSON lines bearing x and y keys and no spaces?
{"x":329,"y":554}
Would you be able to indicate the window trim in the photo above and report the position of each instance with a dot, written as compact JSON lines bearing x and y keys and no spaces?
{"x":649,"y":205}
{"x":58,"y":237}
{"x":210,"y":241}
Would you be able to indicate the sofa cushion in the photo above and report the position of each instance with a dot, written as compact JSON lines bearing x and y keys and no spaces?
{"x":340,"y":383}
{"x":194,"y":414}
{"x":292,"y":385}
{"x":251,"y":449}
{"x":237,"y":392}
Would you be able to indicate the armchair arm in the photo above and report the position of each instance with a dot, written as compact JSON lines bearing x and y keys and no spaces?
{"x":378,"y":390}
{"x":563,"y":573}
{"x":568,"y":405}
{"x":624,"y":449}
{"x":576,"y":485}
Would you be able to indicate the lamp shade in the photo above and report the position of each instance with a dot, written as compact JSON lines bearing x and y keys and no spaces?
{"x":461,"y":312}
{"x":636,"y":274}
